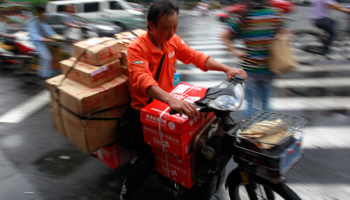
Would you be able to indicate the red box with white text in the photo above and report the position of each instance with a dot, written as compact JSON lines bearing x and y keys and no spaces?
{"x":114,"y":155}
{"x":175,"y":169}
{"x":173,"y":134}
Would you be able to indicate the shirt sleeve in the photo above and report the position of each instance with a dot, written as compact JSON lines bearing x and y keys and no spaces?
{"x":188,"y":55}
{"x":34,"y":31}
{"x":330,"y":2}
{"x":139,"y":71}
{"x":234,"y":24}
{"x":48,"y":29}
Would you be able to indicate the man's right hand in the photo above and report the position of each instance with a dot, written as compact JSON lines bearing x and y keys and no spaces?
{"x":184,"y":107}
{"x":48,"y":40}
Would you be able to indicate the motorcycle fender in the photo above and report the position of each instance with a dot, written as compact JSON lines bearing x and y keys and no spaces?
{"x":232,"y":176}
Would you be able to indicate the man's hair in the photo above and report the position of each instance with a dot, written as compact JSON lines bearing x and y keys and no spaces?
{"x":40,"y":9}
{"x":158,"y":10}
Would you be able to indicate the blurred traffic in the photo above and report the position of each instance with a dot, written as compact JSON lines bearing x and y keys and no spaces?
{"x":60,"y":169}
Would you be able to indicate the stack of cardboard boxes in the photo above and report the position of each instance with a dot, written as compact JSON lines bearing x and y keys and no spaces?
{"x":172,"y":136}
{"x":90,"y":95}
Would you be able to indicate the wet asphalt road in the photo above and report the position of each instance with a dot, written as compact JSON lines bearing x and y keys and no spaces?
{"x":51,"y":168}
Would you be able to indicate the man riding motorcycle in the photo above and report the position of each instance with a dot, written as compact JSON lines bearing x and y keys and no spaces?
{"x":160,"y":47}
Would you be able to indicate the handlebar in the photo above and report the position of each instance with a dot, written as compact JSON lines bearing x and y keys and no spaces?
{"x":213,"y":92}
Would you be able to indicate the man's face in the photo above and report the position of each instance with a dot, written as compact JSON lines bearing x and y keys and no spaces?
{"x":70,"y":9}
{"x":165,"y":29}
{"x":42,"y":16}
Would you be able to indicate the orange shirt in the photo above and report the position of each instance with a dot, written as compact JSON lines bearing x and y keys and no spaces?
{"x":143,"y":61}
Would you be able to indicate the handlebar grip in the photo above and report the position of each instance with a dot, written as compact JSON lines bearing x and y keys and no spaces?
{"x":172,"y":112}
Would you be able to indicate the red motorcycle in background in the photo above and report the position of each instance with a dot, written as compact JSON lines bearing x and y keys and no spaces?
{"x":282,"y":5}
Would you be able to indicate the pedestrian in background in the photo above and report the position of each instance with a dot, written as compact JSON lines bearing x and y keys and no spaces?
{"x":74,"y":31}
{"x":39,"y":31}
{"x":321,"y":18}
{"x":257,"y":26}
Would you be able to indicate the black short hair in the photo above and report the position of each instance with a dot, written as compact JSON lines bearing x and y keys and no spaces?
{"x":158,"y":10}
{"x":40,"y":9}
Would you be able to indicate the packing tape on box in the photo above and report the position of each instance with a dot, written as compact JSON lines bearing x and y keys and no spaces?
{"x":160,"y":130}
{"x":161,"y":138}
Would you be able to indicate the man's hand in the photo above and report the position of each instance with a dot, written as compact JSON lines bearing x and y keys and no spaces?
{"x":238,"y":53}
{"x":48,"y":40}
{"x":231,"y":72}
{"x":184,"y":107}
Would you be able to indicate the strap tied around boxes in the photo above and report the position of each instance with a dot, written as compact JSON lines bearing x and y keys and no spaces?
{"x":157,"y":74}
{"x":90,"y":117}
{"x":161,"y":138}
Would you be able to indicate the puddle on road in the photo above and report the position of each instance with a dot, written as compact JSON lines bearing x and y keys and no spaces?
{"x":60,"y":162}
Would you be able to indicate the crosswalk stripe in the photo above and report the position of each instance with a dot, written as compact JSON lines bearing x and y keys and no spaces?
{"x":338,"y":67}
{"x":206,"y":42}
{"x":27,"y":108}
{"x":319,"y":137}
{"x":286,"y":83}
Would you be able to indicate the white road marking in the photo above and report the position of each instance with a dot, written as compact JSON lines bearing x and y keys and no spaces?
{"x":327,"y":137}
{"x":27,"y":108}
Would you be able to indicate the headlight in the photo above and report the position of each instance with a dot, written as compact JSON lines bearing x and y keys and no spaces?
{"x":106,"y":28}
{"x":229,"y":102}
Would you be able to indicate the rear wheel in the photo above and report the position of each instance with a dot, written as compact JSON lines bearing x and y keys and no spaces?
{"x":262,"y":189}
{"x":307,"y":45}
{"x":342,"y":45}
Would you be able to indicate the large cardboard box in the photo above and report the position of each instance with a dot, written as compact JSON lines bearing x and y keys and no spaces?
{"x":83,"y":100}
{"x":123,"y":59}
{"x":90,"y":133}
{"x":97,"y":51}
{"x":90,"y":75}
{"x":173,"y":134}
{"x":175,"y":169}
{"x":114,"y":155}
{"x":57,"y":119}
{"x":125,"y":71}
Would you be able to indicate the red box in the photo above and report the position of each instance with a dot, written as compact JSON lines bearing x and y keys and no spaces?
{"x":177,"y":132}
{"x":175,"y":169}
{"x":178,"y":145}
{"x":114,"y":155}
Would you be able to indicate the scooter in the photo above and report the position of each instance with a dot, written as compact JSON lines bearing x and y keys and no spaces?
{"x":262,"y":163}
{"x":22,"y":53}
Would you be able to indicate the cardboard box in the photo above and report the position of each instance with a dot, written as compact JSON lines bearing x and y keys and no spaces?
{"x":98,"y":51}
{"x":114,"y":155}
{"x":177,"y":145}
{"x":124,"y":44}
{"x":125,"y":71}
{"x":90,"y":75}
{"x":56,"y":115}
{"x":175,"y":169}
{"x":173,"y":123}
{"x":92,"y":132}
{"x":177,"y":132}
{"x":123,"y":59}
{"x":83,"y":100}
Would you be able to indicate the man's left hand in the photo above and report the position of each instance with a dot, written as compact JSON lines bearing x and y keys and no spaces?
{"x":231,"y":72}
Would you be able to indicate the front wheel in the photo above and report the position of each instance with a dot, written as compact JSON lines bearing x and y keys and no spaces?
{"x":261,"y":189}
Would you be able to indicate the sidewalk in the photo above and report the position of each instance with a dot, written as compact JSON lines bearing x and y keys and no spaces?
{"x":13,"y":185}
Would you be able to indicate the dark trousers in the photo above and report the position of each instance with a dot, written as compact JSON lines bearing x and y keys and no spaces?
{"x":145,"y":162}
{"x":327,"y":24}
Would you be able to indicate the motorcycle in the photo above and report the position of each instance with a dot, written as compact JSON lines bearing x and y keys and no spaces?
{"x":261,"y":163}
{"x":22,"y":53}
